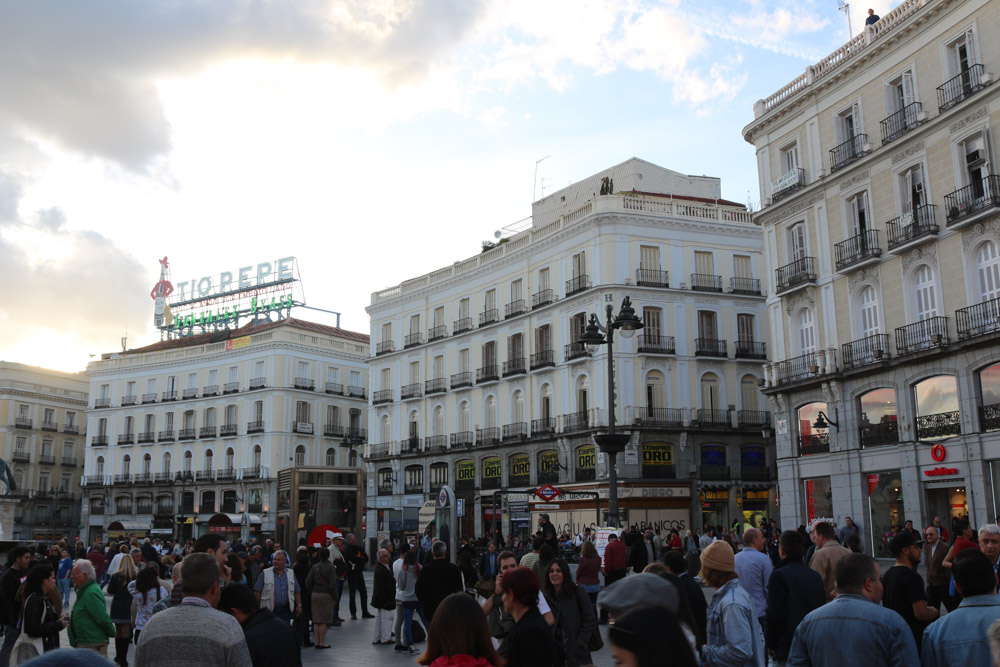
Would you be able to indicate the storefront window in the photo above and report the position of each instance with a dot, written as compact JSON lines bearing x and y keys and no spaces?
{"x":812,"y":440}
{"x":520,"y":470}
{"x":819,"y":499}
{"x":878,"y":418}
{"x":658,"y":460}
{"x":715,"y":507}
{"x":885,"y":507}
{"x":937,"y":408}
{"x":465,"y":475}
{"x":586,"y":464}
{"x":492,"y":471}
{"x":548,"y":467}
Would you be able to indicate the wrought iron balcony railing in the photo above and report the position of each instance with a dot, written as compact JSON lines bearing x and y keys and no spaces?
{"x":459,"y":380}
{"x":544,"y":426}
{"x":654,"y":344}
{"x":960,"y":87}
{"x":980,"y":195}
{"x":487,"y":374}
{"x":186,"y":434}
{"x":385,"y":347}
{"x":230,"y":388}
{"x":753,"y":418}
{"x":857,"y":249}
{"x":577,"y":284}
{"x":518,"y":431}
{"x":334,"y":388}
{"x":382,"y":396}
{"x":798,"y":368}
{"x":255,"y":427}
{"x":876,"y":435}
{"x":130,"y":400}
{"x":461,"y":324}
{"x":102,"y":403}
{"x":435,"y":386}
{"x":660,"y":417}
{"x":191,"y":392}
{"x":437,"y":333}
{"x":413,"y":339}
{"x":575,"y":350}
{"x":489,"y":317}
{"x":901,"y":122}
{"x":410,"y":391}
{"x":487,"y":436}
{"x":543,"y":359}
{"x":710,"y":347}
{"x":751,"y":349}
{"x":923,"y":335}
{"x":149,"y":397}
{"x":814,"y":443}
{"x":847,"y":152}
{"x":800,"y":272}
{"x":756,"y":474}
{"x":126,"y":438}
{"x":165,"y":436}
{"x":210,"y":390}
{"x":575,"y":421}
{"x":333,"y":430}
{"x":515,"y":308}
{"x":355,"y":391}
{"x":514,"y":367}
{"x":920,"y":223}
{"x":940,"y":425}
{"x":864,"y":351}
{"x":258,"y":383}
{"x":978,"y":320}
{"x":436,"y":443}
{"x":652,"y":278}
{"x":542,"y":298}
{"x":146,"y":437}
{"x":744,"y":286}
{"x":462,"y":439}
{"x":207,"y":432}
{"x":706,"y":282}
{"x":713,"y":417}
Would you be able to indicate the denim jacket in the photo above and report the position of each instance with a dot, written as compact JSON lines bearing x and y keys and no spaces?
{"x":853,"y":630}
{"x":960,"y":637}
{"x":734,"y":635}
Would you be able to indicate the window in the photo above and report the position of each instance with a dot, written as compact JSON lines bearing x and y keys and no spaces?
{"x":439,"y":316}
{"x":149,"y":424}
{"x":749,"y":394}
{"x":258,"y":411}
{"x":962,"y":55}
{"x":578,"y":264}
{"x":655,"y":391}
{"x":209,"y":460}
{"x":415,"y":324}
{"x":355,"y":378}
{"x":301,"y":411}
{"x":937,"y":407}
{"x":233,"y":374}
{"x":649,"y":258}
{"x":20,"y":447}
{"x":168,"y":422}
{"x":577,"y":326}
{"x":789,"y":158}
{"x":515,"y":291}
{"x":230,"y":458}
{"x":807,"y":331}
{"x":847,"y":124}
{"x":231,"y":415}
{"x":302,"y":370}
{"x":126,"y":464}
{"x":68,"y":448}
{"x":975,"y":156}
{"x":710,"y":399}
{"x":924,"y":293}
{"x":797,"y":242}
{"x":490,"y":302}
{"x":258,"y":370}
{"x":332,"y":415}
{"x":545,"y":402}
{"x":99,"y":469}
{"x":147,"y":464}
{"x":209,"y":418}
{"x":386,"y":332}
{"x":128,"y":426}
{"x":490,"y":416}
{"x":911,"y":189}
{"x":463,"y":360}
{"x":413,"y":477}
{"x":414,"y":372}
{"x":438,"y":421}
{"x":489,"y":354}
{"x":582,"y":395}
{"x":515,"y":347}
{"x":70,"y":420}
{"x":989,"y":398}
{"x":543,"y":338}
{"x":188,"y":461}
{"x":46,"y":448}
{"x":438,"y":366}
{"x":543,"y":280}
{"x":707,"y":324}
{"x":463,"y":308}
{"x":192,"y":381}
{"x":878,"y":418}
{"x":988,"y":271}
{"x":386,"y":378}
{"x":742,"y":266}
{"x":189,"y":420}
{"x":704,"y":263}
{"x":517,"y":408}
{"x":899,"y":95}
{"x":213,"y":378}
{"x":166,"y":463}
{"x":256,"y":456}
{"x":384,"y":429}
{"x":744,"y":327}
{"x":331,"y":457}
{"x":464,"y":417}
{"x":439,"y":475}
{"x":868,"y":311}
{"x":858,"y":211}
{"x":102,"y":427}
{"x":652,"y":318}
{"x":49,"y":416}
{"x":300,"y":455}
{"x":812,"y":440}
{"x":151,"y":386}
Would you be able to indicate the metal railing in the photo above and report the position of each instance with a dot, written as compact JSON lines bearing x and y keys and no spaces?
{"x":385,"y":347}
{"x":487,"y":374}
{"x":542,"y":359}
{"x":959,"y":87}
{"x":857,"y":249}
{"x":847,"y":152}
{"x":714,"y":473}
{"x":744,"y":285}
{"x":207,"y":432}
{"x":333,"y":388}
{"x":165,"y":436}
{"x":258,"y":383}
{"x":865,"y":351}
{"x":876,"y":435}
{"x":989,"y":417}
{"x":542,"y":298}
{"x":489,"y":317}
{"x":131,"y":400}
{"x":514,"y":367}
{"x":753,"y":418}
{"x":789,"y":185}
{"x":901,"y":122}
{"x":103,"y":403}
{"x":126,"y":438}
{"x":798,"y":368}
{"x":47,"y":459}
{"x":814,"y":443}
{"x":713,"y":417}
{"x":577,"y":284}
{"x":413,"y":339}
{"x":191,"y":393}
{"x":575,"y":350}
{"x":515,"y":308}
{"x":186,"y":434}
{"x":146,"y":437}
{"x":230,"y":387}
{"x":978,"y":196}
{"x":939,"y":425}
{"x":706,"y":282}
{"x":487,"y":436}
{"x":917,"y":224}
{"x":460,"y":325}
{"x":671,"y":417}
{"x":210,"y":390}
{"x":333,"y":430}
{"x":800,"y":272}
{"x":710,"y":347}
{"x":543,"y":426}
{"x":435,"y":386}
{"x":751,"y":349}
{"x":355,"y":391}
{"x":575,"y":421}
{"x":95,"y":441}
{"x":923,"y":335}
{"x":978,"y":320}
{"x":437,"y":333}
{"x":382,"y":396}
{"x":463,"y":379}
{"x":462,"y":438}
{"x":149,"y":398}
{"x":410,"y":445}
{"x":410,"y":391}
{"x":436,"y":442}
{"x":515,"y":431}
{"x":654,"y":344}
{"x":255,"y":427}
{"x":253,"y":472}
{"x":652,"y":278}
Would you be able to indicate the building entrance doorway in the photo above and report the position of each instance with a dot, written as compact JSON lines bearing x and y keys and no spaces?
{"x":948,"y":502}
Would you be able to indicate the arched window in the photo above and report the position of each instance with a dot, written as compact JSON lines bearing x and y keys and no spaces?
{"x":988,"y":271}
{"x":352,"y":459}
{"x":582,"y":395}
{"x":868,"y":312}
{"x":656,"y":391}
{"x":878,"y":418}
{"x":548,"y":467}
{"x":937,"y":407}
{"x":439,"y":420}
{"x":490,"y":418}
{"x":166,"y":463}
{"x":545,"y":402}
{"x":331,"y":456}
{"x":464,"y":419}
{"x":126,"y":464}
{"x":923,"y":288}
{"x":383,"y":430}
{"x":230,"y":458}
{"x":812,"y":439}
{"x":256,"y":456}
{"x":300,"y":455}
{"x":710,"y":399}
{"x":517,"y":408}
{"x":413,"y":430}
{"x":807,"y":331}
{"x":749,"y":394}
{"x":100,"y":470}
{"x":188,"y":461}
{"x":208,"y":460}
{"x":147,"y":464}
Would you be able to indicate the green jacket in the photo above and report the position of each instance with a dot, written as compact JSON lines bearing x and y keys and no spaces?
{"x":89,"y":623}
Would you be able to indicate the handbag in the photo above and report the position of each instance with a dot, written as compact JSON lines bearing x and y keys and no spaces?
{"x":594,"y":641}
{"x":25,"y":648}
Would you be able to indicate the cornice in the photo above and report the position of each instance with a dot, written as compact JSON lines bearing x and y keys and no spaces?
{"x":41,"y":397}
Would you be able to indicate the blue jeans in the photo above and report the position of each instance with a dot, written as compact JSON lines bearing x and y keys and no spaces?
{"x":408,"y":621}
{"x":64,"y":585}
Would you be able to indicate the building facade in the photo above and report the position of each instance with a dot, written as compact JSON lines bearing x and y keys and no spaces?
{"x":882,"y":235}
{"x":41,"y":417}
{"x":188,"y":436}
{"x":480,"y":381}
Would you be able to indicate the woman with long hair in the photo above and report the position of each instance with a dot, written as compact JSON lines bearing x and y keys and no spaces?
{"x":459,"y":636}
{"x":39,"y":618}
{"x":321,"y":585}
{"x":529,"y":642}
{"x":121,"y":607}
{"x":575,"y":617}
{"x":235,"y":564}
{"x":146,"y":591}
{"x":301,"y":569}
{"x":649,"y":637}
{"x":588,"y":572}
{"x":406,"y":587}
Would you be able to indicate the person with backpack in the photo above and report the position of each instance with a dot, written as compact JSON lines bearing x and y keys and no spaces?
{"x":146,"y":591}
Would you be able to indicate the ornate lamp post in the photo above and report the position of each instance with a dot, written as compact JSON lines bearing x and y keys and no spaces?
{"x":611,"y":443}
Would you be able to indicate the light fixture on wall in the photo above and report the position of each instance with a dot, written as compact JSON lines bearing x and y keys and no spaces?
{"x":823,"y":421}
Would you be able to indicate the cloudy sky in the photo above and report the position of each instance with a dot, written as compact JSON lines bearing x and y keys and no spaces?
{"x":375,"y":140}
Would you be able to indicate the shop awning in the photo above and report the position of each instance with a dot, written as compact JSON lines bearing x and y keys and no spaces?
{"x":234,"y":519}
{"x":130,"y":526}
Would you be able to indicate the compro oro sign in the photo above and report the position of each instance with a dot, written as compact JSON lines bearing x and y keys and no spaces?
{"x":657,"y":454}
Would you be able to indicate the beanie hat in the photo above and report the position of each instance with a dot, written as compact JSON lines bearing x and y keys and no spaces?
{"x":719,"y":556}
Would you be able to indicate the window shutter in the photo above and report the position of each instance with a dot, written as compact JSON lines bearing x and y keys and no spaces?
{"x":970,"y":47}
{"x":856,"y":119}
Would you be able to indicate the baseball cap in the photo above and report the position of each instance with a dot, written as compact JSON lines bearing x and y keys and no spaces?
{"x":901,"y":541}
{"x":337,"y":536}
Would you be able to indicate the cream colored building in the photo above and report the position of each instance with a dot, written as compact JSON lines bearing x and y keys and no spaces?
{"x":479,"y":380}
{"x":41,"y":427}
{"x":189,"y":435}
{"x":883,"y":241}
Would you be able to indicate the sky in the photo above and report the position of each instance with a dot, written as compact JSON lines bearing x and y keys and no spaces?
{"x":373,"y":140}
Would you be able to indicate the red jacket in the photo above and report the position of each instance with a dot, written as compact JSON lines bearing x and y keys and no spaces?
{"x":97,"y":559}
{"x":614,"y":556}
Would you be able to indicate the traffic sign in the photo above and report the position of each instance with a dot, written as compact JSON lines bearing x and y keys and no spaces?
{"x":548,"y":492}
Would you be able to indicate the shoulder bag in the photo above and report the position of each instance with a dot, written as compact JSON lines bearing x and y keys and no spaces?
{"x":25,"y":648}
{"x":594,"y":642}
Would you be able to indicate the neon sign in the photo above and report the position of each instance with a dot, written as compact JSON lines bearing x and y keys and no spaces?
{"x":941,"y":472}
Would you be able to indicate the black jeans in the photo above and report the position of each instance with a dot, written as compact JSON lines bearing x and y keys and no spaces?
{"x":610,"y":578}
{"x":356,"y":582}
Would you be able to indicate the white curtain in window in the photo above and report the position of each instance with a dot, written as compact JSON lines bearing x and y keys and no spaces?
{"x":988,"y":270}
{"x":868,"y":301}
{"x":807,"y":332}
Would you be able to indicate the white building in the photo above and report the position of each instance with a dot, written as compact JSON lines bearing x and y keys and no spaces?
{"x":191,"y":435}
{"x":479,"y":381}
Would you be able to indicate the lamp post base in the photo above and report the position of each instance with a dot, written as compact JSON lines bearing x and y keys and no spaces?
{"x":611,"y":444}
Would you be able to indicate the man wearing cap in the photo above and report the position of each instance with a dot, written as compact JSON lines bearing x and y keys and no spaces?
{"x":904,"y":588}
{"x":341,"y":566}
{"x":734,"y":635}
{"x":828,"y":553}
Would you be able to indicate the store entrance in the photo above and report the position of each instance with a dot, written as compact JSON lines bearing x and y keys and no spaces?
{"x":948,"y":502}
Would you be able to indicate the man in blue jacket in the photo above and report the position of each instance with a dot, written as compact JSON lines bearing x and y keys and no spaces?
{"x":793,"y":591}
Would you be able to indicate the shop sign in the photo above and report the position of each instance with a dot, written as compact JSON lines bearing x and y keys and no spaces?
{"x":657,"y":454}
{"x":548,"y":461}
{"x":938,"y":452}
{"x":755,"y":494}
{"x":872,"y":482}
{"x":716,"y":495}
{"x":520,"y":465}
{"x":586,"y":457}
{"x":237,"y":343}
{"x":941,"y":471}
{"x":465,"y":471}
{"x":631,"y":457}
{"x":492,"y":468}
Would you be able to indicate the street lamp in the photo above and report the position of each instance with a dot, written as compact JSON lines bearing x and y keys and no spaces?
{"x":612,"y":443}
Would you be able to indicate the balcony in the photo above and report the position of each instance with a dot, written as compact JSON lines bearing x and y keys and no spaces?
{"x":459,"y":380}
{"x":382,"y":396}
{"x":575,"y":421}
{"x":435,"y":386}
{"x":575,"y":350}
{"x":355,"y":391}
{"x":71,"y":428}
{"x":302,"y":427}
{"x":799,"y":273}
{"x":756,"y":474}
{"x":487,"y":436}
{"x":126,"y":438}
{"x":901,"y":122}
{"x":165,"y":436}
{"x":146,"y":437}
{"x":191,"y":393}
{"x":102,"y":403}
{"x":543,"y":427}
{"x":489,"y":317}
{"x":487,"y":374}
{"x":68,"y":462}
{"x":437,"y":333}
{"x":865,"y":351}
{"x":436,"y":443}
{"x":98,"y":440}
{"x":749,"y":286}
{"x":710,"y":347}
{"x":163,"y":478}
{"x":518,"y":431}
{"x":169,"y":396}
{"x":47,"y":459}
{"x":253,"y":472}
{"x":751,"y":349}
{"x":305,"y":383}
{"x":853,"y":149}
{"x":207,"y":432}
{"x":542,"y":298}
{"x":461,"y":325}
{"x":989,"y":417}
{"x":255,"y":427}
{"x":661,"y":417}
{"x":515,"y":308}
{"x":410,"y":391}
{"x":972,"y":202}
{"x":585,"y":474}
{"x":941,"y":425}
{"x":122,"y":508}
{"x":814,"y":443}
{"x":204,"y":475}
{"x":653,"y":344}
{"x":186,"y":476}
{"x":706,"y":282}
{"x":333,"y":430}
{"x":258,"y":383}
{"x":978,"y":320}
{"x":542,"y":359}
{"x":877,"y":435}
{"x":143,"y":478}
{"x":923,"y":335}
{"x":912,"y":229}
{"x":186,"y":434}
{"x":961,"y":87}
{"x":787,"y":184}
{"x":652,"y":278}
{"x":163,"y":509}
{"x":225,"y":474}
{"x":93,"y":480}
{"x":129,"y":400}
{"x":149,"y":398}
{"x":514,"y":367}
{"x":462,"y":439}
{"x":755,"y":419}
{"x":413,"y":340}
{"x":714,"y":473}
{"x":858,"y":251}
{"x":577,"y":284}
{"x":798,"y":368}
{"x":210,"y":390}
{"x":230,"y":387}
{"x":385,"y":347}
{"x":123,"y":478}
{"x":710,"y":417}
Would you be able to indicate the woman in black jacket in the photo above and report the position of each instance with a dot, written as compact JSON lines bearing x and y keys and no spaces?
{"x":575,"y":619}
{"x":301,"y":570}
{"x":121,"y":607}
{"x":40,"y":618}
{"x":529,"y":642}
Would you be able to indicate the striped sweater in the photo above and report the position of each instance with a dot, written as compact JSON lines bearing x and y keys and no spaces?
{"x":192,"y":636}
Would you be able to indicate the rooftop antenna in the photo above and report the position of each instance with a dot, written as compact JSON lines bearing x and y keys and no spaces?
{"x":846,"y":8}
{"x":534,"y":191}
